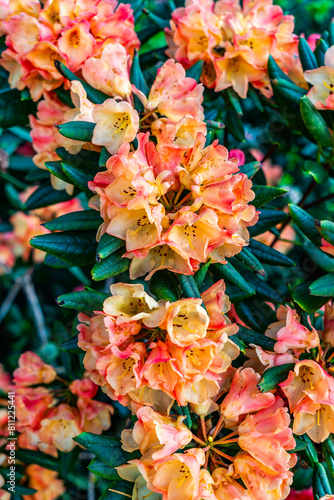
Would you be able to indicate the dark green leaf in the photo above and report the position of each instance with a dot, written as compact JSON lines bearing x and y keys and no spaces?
{"x":79,"y":177}
{"x":55,"y":262}
{"x":288,"y":91}
{"x":307,"y":58}
{"x":264,"y":194}
{"x":138,"y":80}
{"x":307,"y":302}
{"x":37,"y":457}
{"x":326,"y":230}
{"x":55,"y":168}
{"x":44,"y":196}
{"x":275,"y":72}
{"x":82,"y":220}
{"x":71,"y":345}
{"x":267,"y":220}
{"x":320,"y":51}
{"x":235,"y":125}
{"x":188,"y":286}
{"x":164,"y":286}
{"x":321,"y":485}
{"x":250,"y":169}
{"x":106,"y":448}
{"x":94,"y":95}
{"x":256,"y":314}
{"x":234,"y":100}
{"x":108,"y":245}
{"x":305,"y":222}
{"x":83,"y":300}
{"x":102,"y":470}
{"x":249,"y":336}
{"x":111,"y":266}
{"x":318,"y":172}
{"x":201,"y":273}
{"x":77,"y":130}
{"x":315,"y":123}
{"x":76,"y":248}
{"x":323,"y":286}
{"x":11,"y":110}
{"x":249,"y":260}
{"x":157,"y":20}
{"x":229,"y":273}
{"x":274,"y":376}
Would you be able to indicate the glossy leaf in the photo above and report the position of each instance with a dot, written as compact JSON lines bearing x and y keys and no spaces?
{"x":76,"y":248}
{"x":82,"y":220}
{"x":83,"y":300}
{"x":274,"y":376}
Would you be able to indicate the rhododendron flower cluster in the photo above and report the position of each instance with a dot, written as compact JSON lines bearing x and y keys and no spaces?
{"x":67,"y":31}
{"x":234,"y":42}
{"x":48,"y":418}
{"x":175,"y":201}
{"x":148,"y":352}
{"x":260,"y":431}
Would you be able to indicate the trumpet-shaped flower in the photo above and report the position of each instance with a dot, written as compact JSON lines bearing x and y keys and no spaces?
{"x":116,"y":123}
{"x":156,"y":435}
{"x":110,"y":72}
{"x":262,"y":482}
{"x":322,"y":79}
{"x":267,"y":437}
{"x":244,"y":396}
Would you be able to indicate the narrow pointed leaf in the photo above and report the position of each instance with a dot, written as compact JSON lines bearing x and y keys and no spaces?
{"x":275,"y":72}
{"x":188,"y":286}
{"x":76,"y":248}
{"x":44,"y":196}
{"x":94,"y":95}
{"x":79,"y":177}
{"x":108,"y":245}
{"x":77,"y":130}
{"x":315,"y":123}
{"x":267,"y":219}
{"x":111,"y":266}
{"x":256,"y":314}
{"x":249,"y":336}
{"x":250,"y":169}
{"x":318,"y":172}
{"x":55,"y":168}
{"x":249,"y":260}
{"x":164,"y":286}
{"x":274,"y":376}
{"x":77,"y":221}
{"x":305,"y":222}
{"x":264,"y":194}
{"x":71,"y":345}
{"x":229,"y":273}
{"x":307,"y":58}
{"x":321,"y":485}
{"x":83,"y":300}
{"x":320,"y":51}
